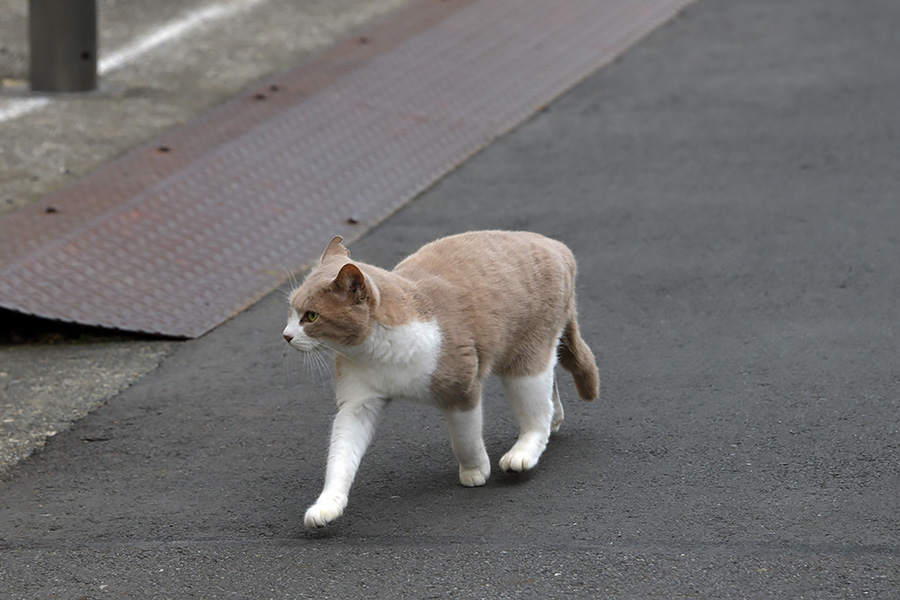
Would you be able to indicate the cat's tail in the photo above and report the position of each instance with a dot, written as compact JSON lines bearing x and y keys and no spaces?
{"x":576,"y":357}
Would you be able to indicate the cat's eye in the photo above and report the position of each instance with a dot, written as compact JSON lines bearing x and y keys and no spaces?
{"x":309,"y":316}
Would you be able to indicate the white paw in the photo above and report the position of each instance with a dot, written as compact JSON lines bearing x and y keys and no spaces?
{"x":518,"y":460}
{"x":558,"y":412}
{"x":322,"y":513}
{"x":557,"y":423}
{"x":474,"y":477}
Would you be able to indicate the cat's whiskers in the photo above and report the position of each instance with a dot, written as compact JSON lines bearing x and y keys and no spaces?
{"x":338,"y":352}
{"x":290,"y":365}
{"x":324,"y":368}
{"x":317,"y":365}
{"x":290,"y":281}
{"x":286,"y":292}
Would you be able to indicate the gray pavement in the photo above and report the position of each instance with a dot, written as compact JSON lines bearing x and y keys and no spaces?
{"x":730,"y":187}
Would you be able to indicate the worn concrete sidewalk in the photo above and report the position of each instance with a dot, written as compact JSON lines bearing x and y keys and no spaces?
{"x":730,"y":187}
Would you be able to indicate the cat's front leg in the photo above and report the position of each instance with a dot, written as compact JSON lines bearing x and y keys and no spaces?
{"x":353,"y":429}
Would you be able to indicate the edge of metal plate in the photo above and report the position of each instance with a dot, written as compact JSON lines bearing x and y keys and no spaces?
{"x":182,"y":233}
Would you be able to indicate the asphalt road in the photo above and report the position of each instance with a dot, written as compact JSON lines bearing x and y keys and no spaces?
{"x":730,"y":188}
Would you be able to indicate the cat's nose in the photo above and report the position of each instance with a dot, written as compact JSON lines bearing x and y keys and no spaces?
{"x":288,"y":337}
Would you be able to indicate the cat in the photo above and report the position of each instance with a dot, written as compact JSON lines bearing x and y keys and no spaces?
{"x":457,"y":310}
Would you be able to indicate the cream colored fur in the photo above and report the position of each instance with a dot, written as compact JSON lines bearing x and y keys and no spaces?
{"x":459,"y":309}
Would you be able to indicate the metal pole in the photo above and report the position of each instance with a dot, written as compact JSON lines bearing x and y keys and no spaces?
{"x":63,"y":39}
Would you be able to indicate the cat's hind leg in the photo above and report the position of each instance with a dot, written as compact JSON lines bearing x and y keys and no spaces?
{"x":558,"y":413}
{"x":534,"y":405}
{"x":468,"y":446}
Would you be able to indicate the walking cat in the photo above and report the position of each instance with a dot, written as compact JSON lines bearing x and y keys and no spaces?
{"x":459,"y":309}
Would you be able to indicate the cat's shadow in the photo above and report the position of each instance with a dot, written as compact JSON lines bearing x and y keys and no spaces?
{"x":409,"y":483}
{"x":428,"y":502}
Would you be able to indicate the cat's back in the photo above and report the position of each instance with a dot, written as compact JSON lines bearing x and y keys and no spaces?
{"x":491,"y":256}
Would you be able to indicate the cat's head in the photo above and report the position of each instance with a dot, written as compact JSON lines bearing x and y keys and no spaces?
{"x":334,"y":305}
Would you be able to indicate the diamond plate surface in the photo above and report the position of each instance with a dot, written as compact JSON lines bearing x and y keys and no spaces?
{"x":181,"y":234}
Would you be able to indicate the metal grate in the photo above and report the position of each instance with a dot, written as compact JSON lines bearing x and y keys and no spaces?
{"x":179,"y":235}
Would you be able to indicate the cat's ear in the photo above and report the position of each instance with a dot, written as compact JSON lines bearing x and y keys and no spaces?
{"x":350,"y":282}
{"x":335,"y":248}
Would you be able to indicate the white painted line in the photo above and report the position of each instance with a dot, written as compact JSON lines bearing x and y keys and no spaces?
{"x":13,"y":108}
{"x":170,"y":31}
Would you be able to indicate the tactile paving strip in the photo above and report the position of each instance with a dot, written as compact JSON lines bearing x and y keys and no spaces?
{"x":181,"y":234}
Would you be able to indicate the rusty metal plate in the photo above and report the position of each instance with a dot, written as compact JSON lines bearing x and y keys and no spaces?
{"x":183,"y":233}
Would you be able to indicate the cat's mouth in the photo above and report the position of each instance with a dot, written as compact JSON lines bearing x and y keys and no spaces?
{"x":305,"y":346}
{"x":298,"y":340}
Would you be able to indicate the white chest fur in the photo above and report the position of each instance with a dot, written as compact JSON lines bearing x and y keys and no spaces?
{"x":394,"y":362}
